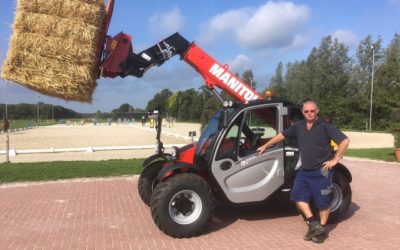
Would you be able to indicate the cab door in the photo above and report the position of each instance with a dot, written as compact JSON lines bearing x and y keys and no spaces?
{"x":242,"y":173}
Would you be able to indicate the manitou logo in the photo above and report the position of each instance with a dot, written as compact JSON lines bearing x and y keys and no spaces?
{"x":232,"y":82}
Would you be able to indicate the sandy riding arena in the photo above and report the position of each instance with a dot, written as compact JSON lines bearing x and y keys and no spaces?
{"x":92,"y":142}
{"x":120,"y":141}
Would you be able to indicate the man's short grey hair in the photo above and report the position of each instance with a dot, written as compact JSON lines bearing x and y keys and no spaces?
{"x":308,"y":101}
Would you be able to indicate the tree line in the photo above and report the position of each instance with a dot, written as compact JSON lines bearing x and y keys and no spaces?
{"x":339,"y":83}
{"x":41,"y":111}
{"x":342,"y":85}
{"x":192,"y":105}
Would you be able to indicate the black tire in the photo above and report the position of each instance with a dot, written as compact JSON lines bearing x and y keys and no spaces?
{"x":341,"y":197}
{"x":182,"y":205}
{"x":147,"y":181}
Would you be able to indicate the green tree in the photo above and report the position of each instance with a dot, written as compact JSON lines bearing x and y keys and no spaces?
{"x":296,"y":81}
{"x":190,"y":105}
{"x":159,"y":101}
{"x":360,"y":81}
{"x":211,"y":106}
{"x":387,"y":86}
{"x":277,"y":83}
{"x":248,"y":78}
{"x":29,"y":111}
{"x":124,"y":108}
{"x":328,"y":71}
{"x":172,"y":105}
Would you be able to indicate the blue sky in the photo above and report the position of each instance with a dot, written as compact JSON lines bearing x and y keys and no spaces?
{"x":253,"y":35}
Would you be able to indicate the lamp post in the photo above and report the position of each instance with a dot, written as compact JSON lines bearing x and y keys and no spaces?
{"x":37,"y":108}
{"x":372,"y":87}
{"x":5,"y":90}
{"x":251,"y":86}
{"x":179,"y":108}
{"x":5,"y":97}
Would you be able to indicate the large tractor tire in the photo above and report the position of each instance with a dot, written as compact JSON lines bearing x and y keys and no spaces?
{"x":182,"y":205}
{"x":341,"y":197}
{"x":147,"y":181}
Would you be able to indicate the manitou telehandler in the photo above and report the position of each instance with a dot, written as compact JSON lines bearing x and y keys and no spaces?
{"x":181,"y":188}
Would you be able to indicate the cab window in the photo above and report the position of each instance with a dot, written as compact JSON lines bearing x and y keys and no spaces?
{"x":259,"y":126}
{"x":250,"y":130}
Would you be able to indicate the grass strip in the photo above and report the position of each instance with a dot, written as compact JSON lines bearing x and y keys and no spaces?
{"x":383,"y":154}
{"x":45,"y":171}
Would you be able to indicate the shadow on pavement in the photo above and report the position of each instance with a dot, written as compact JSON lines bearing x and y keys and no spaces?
{"x":226,"y":215}
{"x":354,"y":207}
{"x":352,"y":210}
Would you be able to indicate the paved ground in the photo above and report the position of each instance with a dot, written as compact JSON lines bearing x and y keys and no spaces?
{"x":108,"y":214}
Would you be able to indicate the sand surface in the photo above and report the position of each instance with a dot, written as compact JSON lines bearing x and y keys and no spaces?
{"x":119,"y":135}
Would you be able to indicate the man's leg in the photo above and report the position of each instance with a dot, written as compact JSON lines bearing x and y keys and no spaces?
{"x":324,"y":215}
{"x":322,"y":189}
{"x":301,"y":194}
{"x":305,"y":209}
{"x":314,"y":228}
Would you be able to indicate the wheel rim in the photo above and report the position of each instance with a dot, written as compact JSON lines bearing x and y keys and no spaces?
{"x":337,"y":197}
{"x":185,"y":207}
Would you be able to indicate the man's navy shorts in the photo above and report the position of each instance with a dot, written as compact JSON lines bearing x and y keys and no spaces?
{"x":315,"y":184}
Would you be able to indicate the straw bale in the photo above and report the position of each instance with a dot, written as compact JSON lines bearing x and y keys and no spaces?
{"x":53,"y":48}
{"x":85,"y":10}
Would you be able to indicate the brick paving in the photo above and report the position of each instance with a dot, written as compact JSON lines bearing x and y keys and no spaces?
{"x":108,"y":214}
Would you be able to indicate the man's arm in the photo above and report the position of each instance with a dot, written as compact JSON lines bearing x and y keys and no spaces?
{"x":342,"y":147}
{"x":274,"y":140}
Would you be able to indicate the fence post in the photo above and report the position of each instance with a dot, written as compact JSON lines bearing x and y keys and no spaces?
{"x":7,"y":148}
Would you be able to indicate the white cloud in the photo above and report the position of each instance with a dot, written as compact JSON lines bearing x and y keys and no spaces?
{"x":166,"y":23}
{"x":395,"y":3}
{"x":224,"y":25}
{"x":345,"y":36}
{"x":299,"y":41}
{"x":274,"y":24}
{"x":240,"y":63}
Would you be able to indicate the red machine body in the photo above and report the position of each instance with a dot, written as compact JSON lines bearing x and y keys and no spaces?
{"x":115,"y":52}
{"x":118,"y":59}
{"x":215,"y":74}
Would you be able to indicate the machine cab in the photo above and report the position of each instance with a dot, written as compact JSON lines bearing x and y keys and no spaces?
{"x":239,"y":170}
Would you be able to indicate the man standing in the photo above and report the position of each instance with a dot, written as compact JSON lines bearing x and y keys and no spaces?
{"x":314,"y":179}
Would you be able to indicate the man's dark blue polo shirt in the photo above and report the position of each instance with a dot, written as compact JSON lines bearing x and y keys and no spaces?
{"x":314,"y":144}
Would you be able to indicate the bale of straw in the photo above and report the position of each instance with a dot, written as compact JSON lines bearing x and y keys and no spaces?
{"x":53,"y":48}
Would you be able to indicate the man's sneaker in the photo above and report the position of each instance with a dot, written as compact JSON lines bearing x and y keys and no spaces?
{"x":320,"y":238}
{"x":310,"y":234}
{"x":314,"y":231}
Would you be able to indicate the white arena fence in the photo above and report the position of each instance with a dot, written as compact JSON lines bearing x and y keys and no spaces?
{"x":90,"y":149}
{"x":15,"y":152}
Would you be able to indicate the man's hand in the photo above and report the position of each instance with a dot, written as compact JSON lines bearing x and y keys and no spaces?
{"x":262,"y":149}
{"x":274,"y":140}
{"x":339,"y":154}
{"x":330,"y":164}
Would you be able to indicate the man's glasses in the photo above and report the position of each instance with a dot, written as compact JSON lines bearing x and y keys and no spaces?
{"x":309,"y":111}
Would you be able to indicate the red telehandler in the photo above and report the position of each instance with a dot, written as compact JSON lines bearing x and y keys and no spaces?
{"x":181,"y":188}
